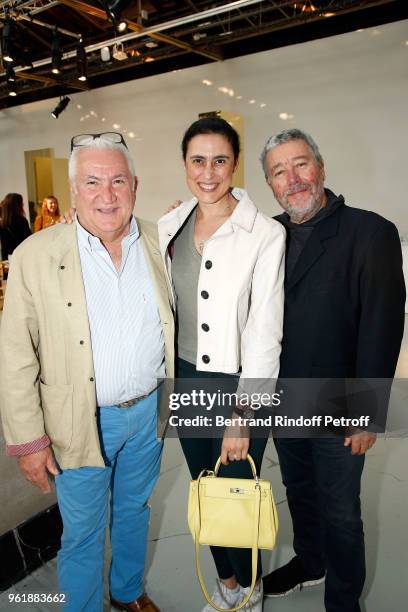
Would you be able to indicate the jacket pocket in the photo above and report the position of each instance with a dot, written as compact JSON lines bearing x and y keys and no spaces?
{"x":57,"y":405}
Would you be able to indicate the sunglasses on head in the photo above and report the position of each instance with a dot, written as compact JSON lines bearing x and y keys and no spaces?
{"x":84,"y":140}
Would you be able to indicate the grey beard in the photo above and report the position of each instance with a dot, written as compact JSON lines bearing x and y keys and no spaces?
{"x":303,"y":215}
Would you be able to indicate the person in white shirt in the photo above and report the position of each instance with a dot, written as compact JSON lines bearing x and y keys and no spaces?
{"x":225,"y":260}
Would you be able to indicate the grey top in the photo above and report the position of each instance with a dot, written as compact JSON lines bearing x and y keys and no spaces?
{"x":185,"y":271}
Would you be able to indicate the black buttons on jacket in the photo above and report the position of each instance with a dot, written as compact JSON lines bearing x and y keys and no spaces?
{"x":205,"y":295}
{"x":62,"y":267}
{"x":208,"y":264}
{"x":205,"y":358}
{"x":81,"y":342}
{"x":205,"y":327}
{"x":69,"y":304}
{"x":91,"y":379}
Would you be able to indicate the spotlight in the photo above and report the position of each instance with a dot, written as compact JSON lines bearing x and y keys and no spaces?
{"x":121,"y":26}
{"x":61,"y":106}
{"x":8,"y":37}
{"x":82,"y":62}
{"x":56,"y":52}
{"x":113,"y":10}
{"x":10,"y":75}
{"x":11,"y":89}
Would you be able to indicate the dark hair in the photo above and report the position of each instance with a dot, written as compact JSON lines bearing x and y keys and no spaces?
{"x":212,"y":125}
{"x":12,"y":207}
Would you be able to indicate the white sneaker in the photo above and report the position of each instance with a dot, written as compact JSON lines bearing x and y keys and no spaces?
{"x":224,"y":598}
{"x":255,"y":603}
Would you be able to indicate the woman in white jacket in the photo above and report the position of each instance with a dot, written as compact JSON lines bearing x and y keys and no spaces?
{"x":225,"y":260}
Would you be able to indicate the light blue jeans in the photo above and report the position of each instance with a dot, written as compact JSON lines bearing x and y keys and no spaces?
{"x":132,"y":456}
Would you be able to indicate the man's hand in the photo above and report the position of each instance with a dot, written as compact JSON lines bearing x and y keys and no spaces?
{"x":173,"y":206}
{"x":360,"y":442}
{"x":68,"y":217}
{"x":35,"y":467}
{"x":235,"y":444}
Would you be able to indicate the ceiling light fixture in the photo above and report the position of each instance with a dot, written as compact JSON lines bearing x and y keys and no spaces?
{"x":25,"y":58}
{"x":113,"y":10}
{"x":82,"y":62}
{"x":56,"y":52}
{"x":122,"y":26}
{"x":61,"y":106}
{"x":10,"y":74}
{"x":8,"y":37}
{"x":305,"y":7}
{"x":11,"y":88}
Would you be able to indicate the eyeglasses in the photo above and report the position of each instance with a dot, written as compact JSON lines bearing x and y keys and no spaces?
{"x":84,"y":140}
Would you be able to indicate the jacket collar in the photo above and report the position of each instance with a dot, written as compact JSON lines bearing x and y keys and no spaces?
{"x":64,"y":241}
{"x":243,"y":216}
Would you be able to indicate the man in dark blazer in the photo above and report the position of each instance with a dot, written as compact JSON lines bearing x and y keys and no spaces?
{"x":344,"y":317}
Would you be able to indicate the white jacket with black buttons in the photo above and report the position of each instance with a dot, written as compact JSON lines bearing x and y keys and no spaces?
{"x":240,"y":290}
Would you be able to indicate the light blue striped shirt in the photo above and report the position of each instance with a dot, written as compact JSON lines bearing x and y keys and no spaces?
{"x":126,"y":333}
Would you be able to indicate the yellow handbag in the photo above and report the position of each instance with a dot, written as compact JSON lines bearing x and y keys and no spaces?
{"x":231,"y":512}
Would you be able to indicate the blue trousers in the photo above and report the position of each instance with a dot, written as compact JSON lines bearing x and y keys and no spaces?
{"x":322,"y":480}
{"x":132,"y":456}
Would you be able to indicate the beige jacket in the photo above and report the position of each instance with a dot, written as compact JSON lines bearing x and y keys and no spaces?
{"x":46,"y":368}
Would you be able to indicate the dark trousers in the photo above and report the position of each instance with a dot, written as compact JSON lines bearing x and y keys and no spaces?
{"x":322,"y":480}
{"x":201,"y":453}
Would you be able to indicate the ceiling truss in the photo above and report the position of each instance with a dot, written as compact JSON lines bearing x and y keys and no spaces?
{"x":174,"y":34}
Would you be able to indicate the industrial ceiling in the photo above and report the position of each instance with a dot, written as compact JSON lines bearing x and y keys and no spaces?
{"x":55,"y":47}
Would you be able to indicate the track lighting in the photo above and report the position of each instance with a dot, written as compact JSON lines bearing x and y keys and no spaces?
{"x":61,"y":106}
{"x":11,"y":88}
{"x":82,"y":62}
{"x":56,"y":54}
{"x":10,"y":74}
{"x":113,"y":9}
{"x":121,"y":26}
{"x":8,"y":38}
{"x":25,"y":58}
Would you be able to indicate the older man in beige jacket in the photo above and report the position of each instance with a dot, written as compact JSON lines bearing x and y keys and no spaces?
{"x":87,"y":331}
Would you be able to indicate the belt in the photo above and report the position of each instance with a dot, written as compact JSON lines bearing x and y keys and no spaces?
{"x":132,"y":402}
{"x":135,"y":400}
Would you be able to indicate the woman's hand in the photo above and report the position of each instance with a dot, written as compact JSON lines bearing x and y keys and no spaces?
{"x":68,"y":216}
{"x":235,"y":444}
{"x":173,"y":206}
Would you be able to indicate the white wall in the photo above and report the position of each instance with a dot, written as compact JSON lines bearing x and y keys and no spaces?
{"x":349,"y":92}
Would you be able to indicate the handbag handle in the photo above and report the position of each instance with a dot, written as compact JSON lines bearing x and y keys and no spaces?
{"x":255,"y":537}
{"x":251,"y":463}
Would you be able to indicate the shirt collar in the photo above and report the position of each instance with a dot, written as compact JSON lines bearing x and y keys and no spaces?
{"x":92,"y":243}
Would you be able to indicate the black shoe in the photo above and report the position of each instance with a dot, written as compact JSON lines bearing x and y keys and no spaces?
{"x":288,"y":578}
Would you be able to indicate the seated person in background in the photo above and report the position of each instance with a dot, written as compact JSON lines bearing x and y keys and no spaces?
{"x":49,"y":214}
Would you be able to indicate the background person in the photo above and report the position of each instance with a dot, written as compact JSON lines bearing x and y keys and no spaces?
{"x":14,"y":227}
{"x":86,"y":332}
{"x":225,"y":259}
{"x":344,"y":319}
{"x":49,"y":214}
